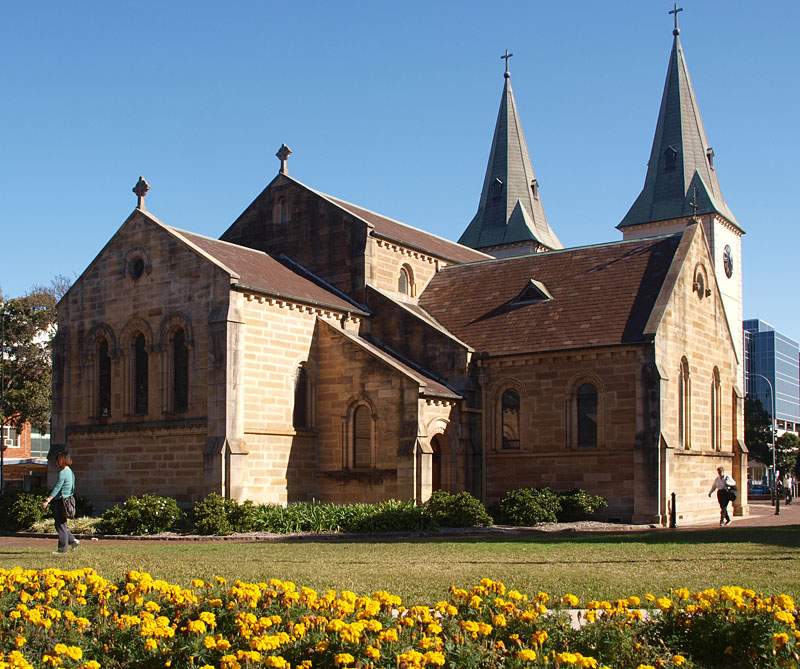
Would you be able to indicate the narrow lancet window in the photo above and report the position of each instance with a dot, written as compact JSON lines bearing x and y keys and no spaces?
{"x":140,"y":375}
{"x":587,"y":415}
{"x":103,"y":380}
{"x":510,"y":409}
{"x":362,"y":438}
{"x":180,"y":372}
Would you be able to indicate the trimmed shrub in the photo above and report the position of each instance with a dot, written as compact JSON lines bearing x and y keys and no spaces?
{"x":460,"y":510}
{"x":83,"y":507}
{"x":218,"y":515}
{"x":579,"y":505}
{"x":527,"y":506}
{"x":148,"y":514}
{"x":20,"y":510}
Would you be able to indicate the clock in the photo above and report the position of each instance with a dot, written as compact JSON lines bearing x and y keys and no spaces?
{"x":727,"y":261}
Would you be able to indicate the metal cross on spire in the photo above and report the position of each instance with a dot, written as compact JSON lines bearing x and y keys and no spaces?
{"x":505,"y":58}
{"x":693,"y":203}
{"x":674,"y":12}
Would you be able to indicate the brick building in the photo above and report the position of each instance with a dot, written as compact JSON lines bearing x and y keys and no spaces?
{"x":319,"y":350}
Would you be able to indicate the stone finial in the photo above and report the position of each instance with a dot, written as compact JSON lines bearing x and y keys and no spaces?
{"x":141,"y":189}
{"x":283,"y":155}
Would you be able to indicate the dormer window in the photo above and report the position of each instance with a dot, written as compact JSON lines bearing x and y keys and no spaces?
{"x":533,"y":292}
{"x":535,"y":189}
{"x":670,"y":158}
{"x":710,"y":157}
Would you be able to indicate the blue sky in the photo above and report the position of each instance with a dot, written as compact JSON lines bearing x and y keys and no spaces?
{"x":388,"y":105}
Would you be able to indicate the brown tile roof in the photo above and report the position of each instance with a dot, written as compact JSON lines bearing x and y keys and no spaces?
{"x":263,"y":273}
{"x":428,"y":386}
{"x":602,"y":296}
{"x":395,"y":231}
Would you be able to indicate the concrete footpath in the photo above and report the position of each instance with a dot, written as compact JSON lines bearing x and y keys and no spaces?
{"x":762,"y":514}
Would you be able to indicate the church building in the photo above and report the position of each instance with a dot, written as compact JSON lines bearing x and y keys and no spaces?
{"x":321,"y":351}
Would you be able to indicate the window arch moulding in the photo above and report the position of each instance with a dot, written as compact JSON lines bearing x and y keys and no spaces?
{"x":585,"y":412}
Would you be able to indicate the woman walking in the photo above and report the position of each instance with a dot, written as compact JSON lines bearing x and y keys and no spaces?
{"x":726,"y":492}
{"x":64,"y":487}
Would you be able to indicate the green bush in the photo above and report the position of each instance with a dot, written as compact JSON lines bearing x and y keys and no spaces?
{"x":148,"y":514}
{"x":83,"y":507}
{"x":527,"y":506}
{"x":20,"y":510}
{"x":460,"y":510}
{"x":218,"y":515}
{"x":579,"y":505}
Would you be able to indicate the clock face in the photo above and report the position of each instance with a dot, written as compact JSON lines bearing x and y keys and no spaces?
{"x":727,"y":261}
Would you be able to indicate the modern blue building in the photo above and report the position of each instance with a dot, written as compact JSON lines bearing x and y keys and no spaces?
{"x":771,"y":354}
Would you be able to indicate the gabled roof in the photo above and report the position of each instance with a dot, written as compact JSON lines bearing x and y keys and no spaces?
{"x":681,"y":166}
{"x":260,"y":272}
{"x":406,"y":235}
{"x":428,"y":385}
{"x":602,"y":295}
{"x":510,"y":209}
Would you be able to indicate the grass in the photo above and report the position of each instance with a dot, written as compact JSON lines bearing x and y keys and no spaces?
{"x":596,"y":566}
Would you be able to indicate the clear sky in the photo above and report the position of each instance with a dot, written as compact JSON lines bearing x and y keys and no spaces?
{"x":388,"y":105}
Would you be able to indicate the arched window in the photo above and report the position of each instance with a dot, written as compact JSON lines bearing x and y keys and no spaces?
{"x":716,"y":413}
{"x":510,"y":408}
{"x":140,"y":375}
{"x":405,"y":281}
{"x":586,"y":405}
{"x":684,"y":405}
{"x":300,"y":418}
{"x":362,"y":437}
{"x":180,"y":372}
{"x":103,"y":379}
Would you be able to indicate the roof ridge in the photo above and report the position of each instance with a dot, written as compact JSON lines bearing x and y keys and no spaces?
{"x":569,"y":249}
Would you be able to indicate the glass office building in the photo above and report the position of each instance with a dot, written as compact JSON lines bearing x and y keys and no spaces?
{"x":771,"y":354}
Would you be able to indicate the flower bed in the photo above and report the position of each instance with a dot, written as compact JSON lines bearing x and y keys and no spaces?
{"x":77,"y":619}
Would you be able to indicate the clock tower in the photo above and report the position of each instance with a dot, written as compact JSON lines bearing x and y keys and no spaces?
{"x":682,"y":185}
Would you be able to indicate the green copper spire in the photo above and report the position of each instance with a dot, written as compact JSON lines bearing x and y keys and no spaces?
{"x":681,"y":161}
{"x":510,"y":211}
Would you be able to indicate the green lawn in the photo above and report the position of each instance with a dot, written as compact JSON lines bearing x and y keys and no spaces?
{"x":595,"y":566}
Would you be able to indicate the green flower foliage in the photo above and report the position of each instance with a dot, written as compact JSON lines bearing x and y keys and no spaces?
{"x":148,"y":514}
{"x":460,"y":510}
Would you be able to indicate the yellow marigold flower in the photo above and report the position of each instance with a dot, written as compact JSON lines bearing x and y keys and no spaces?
{"x":210,"y":642}
{"x":20,"y":641}
{"x":634,"y":601}
{"x":780,"y":639}
{"x":498,"y":621}
{"x":197,"y":627}
{"x":785,"y":602}
{"x":567,"y":658}
{"x":570,"y":600}
{"x":585,"y":662}
{"x":433,"y":628}
{"x":543,"y":597}
{"x":150,"y":644}
{"x":279,"y":662}
{"x":649,"y":597}
{"x":539,"y":637}
{"x":678,"y":660}
{"x":526,"y":654}
{"x":434,"y":657}
{"x":343,"y":658}
{"x":60,"y":648}
{"x":664,"y":603}
{"x":682,"y":593}
{"x":590,"y":616}
{"x":388,"y":635}
{"x":372,"y":652}
{"x":645,"y":666}
{"x":321,"y":646}
{"x":91,"y":664}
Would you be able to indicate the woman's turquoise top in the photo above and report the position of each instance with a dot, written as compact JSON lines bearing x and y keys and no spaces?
{"x":65,"y":484}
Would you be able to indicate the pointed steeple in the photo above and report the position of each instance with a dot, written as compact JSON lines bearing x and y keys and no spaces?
{"x":681,"y":161}
{"x":510,"y":218}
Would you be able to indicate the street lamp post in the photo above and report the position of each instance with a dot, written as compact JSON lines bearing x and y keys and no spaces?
{"x":777,"y":498}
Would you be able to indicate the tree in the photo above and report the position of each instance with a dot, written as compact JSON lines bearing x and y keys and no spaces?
{"x":787,"y":447}
{"x":758,"y":430}
{"x":28,"y":327}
